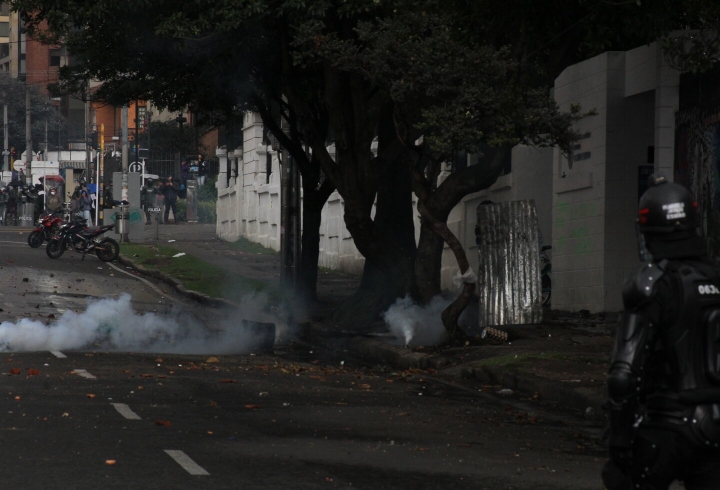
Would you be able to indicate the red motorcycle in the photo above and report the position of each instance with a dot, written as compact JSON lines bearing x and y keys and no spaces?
{"x":47,"y":228}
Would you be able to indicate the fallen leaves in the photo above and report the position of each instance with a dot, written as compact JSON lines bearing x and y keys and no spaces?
{"x":90,"y":395}
{"x":163,"y":423}
{"x":15,"y":371}
{"x":33,"y":372}
{"x":228,"y":381}
{"x":110,"y":461}
{"x":212,"y":359}
{"x":252,"y":407}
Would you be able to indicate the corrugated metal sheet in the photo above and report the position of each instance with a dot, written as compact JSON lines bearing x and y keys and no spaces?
{"x":508,"y":263}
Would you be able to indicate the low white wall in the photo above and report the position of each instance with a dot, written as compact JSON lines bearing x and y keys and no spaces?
{"x":249,"y":203}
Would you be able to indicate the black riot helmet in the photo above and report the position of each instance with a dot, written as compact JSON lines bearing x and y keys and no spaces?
{"x":668,"y":220}
{"x":666,"y":208}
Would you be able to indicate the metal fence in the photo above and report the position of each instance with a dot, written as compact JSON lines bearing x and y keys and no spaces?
{"x":508,"y":263}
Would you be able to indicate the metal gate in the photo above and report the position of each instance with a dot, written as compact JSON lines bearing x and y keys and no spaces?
{"x":508,"y":263}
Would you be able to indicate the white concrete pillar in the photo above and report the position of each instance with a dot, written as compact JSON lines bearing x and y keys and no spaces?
{"x":667,"y":99}
{"x":222,"y":181}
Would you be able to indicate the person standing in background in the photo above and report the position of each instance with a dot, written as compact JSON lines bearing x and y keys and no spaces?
{"x":171,"y":195}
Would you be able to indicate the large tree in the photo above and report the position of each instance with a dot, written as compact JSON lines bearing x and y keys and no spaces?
{"x":423,"y":79}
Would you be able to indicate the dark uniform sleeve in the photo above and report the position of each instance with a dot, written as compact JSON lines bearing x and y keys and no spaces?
{"x":645,"y":298}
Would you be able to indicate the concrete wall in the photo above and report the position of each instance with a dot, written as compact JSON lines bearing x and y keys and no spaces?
{"x":596,"y":188}
{"x":249,"y":203}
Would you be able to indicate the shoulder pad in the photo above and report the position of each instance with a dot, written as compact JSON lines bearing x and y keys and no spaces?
{"x":641,"y":286}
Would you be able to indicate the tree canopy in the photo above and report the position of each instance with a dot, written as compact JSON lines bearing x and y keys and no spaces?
{"x":426,"y":79}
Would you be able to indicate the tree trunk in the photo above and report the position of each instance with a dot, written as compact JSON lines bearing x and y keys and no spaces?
{"x":434,"y":211}
{"x":428,"y":264}
{"x":389,"y":269}
{"x":314,"y":200}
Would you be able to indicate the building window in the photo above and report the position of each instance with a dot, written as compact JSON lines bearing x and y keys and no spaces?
{"x":4,"y":8}
{"x":4,"y":50}
{"x":142,"y":111}
{"x":4,"y":29}
{"x":55,"y":57}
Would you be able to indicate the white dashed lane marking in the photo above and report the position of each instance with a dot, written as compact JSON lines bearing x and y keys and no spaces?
{"x":188,"y":464}
{"x":125,"y":411}
{"x":84,"y":374}
{"x":58,"y":354}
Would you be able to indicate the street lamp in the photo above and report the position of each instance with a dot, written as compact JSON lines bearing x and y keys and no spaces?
{"x":180,"y":120}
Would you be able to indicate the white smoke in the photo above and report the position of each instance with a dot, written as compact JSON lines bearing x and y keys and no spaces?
{"x":112,"y":324}
{"x":415,"y":324}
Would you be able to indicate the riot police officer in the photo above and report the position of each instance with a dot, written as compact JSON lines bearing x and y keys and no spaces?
{"x":664,"y":379}
{"x":4,"y":198}
{"x":147,"y":198}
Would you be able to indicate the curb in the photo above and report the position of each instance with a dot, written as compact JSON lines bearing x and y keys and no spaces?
{"x":201,"y":298}
{"x":399,"y":356}
{"x":575,"y":398}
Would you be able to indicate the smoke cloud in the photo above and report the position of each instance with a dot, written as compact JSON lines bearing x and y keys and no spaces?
{"x":414,"y":324}
{"x":112,"y":324}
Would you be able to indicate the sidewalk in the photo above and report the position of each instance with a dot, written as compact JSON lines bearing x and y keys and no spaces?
{"x":563,"y":360}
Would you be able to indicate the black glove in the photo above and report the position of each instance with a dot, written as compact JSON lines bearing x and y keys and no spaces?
{"x":621,"y":456}
{"x":614,"y":478}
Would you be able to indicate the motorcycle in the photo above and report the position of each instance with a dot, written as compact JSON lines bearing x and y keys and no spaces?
{"x":47,"y":228}
{"x":75,"y":235}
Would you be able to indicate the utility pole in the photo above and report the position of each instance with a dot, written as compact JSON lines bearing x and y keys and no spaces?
{"x":28,"y":134}
{"x":137,"y":131}
{"x":101,"y":175}
{"x":124,"y":193}
{"x":47,"y":115}
{"x":178,"y":161}
{"x":286,"y":275}
{"x":6,"y":150}
{"x":87,"y":123}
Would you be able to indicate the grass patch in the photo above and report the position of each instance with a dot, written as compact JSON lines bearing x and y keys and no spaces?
{"x":194,"y":273}
{"x":244,"y":245}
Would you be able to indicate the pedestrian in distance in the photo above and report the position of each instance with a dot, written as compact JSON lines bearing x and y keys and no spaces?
{"x":202,"y":170}
{"x":184,"y":172}
{"x":664,"y":380}
{"x":85,"y":206}
{"x":54,"y":201}
{"x":171,"y":195}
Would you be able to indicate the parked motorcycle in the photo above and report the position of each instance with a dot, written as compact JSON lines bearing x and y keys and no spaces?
{"x":75,"y":235}
{"x":47,"y":227}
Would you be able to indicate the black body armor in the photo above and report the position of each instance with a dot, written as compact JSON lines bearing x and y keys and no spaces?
{"x":687,"y":361}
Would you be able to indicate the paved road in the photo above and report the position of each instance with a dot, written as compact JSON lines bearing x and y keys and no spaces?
{"x":302,"y":417}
